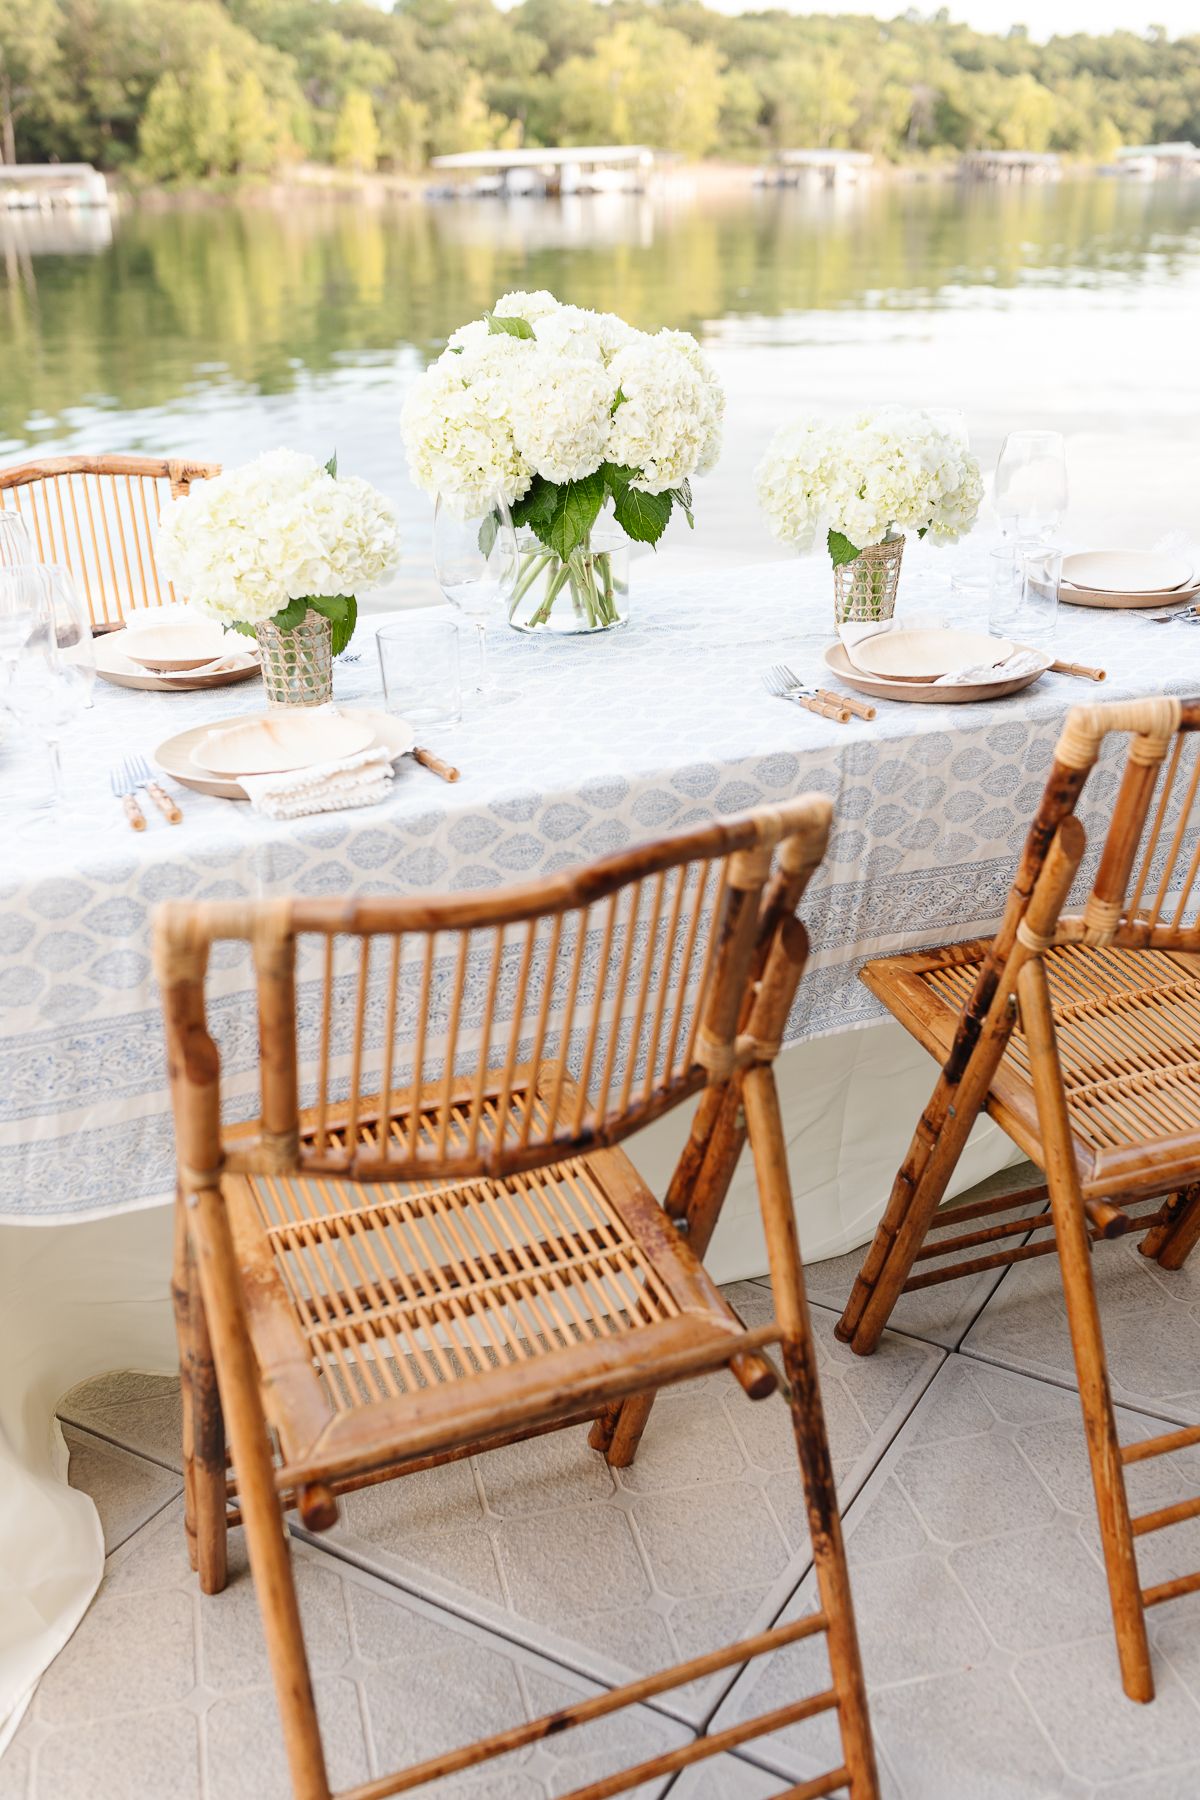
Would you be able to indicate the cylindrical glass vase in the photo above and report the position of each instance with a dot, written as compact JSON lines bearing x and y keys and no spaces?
{"x":297,"y":665}
{"x":865,"y":590}
{"x":586,"y":592}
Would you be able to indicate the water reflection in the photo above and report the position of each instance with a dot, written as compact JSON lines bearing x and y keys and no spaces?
{"x":182,"y":301}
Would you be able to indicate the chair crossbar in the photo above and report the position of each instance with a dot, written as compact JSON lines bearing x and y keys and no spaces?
{"x":1104,"y":1222}
{"x":1171,"y":1590}
{"x":1164,"y":1516}
{"x":630,"y":1693}
{"x":1161,"y":1446}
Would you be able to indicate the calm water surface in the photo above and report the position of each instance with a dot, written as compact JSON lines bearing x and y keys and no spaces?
{"x":222,"y":332}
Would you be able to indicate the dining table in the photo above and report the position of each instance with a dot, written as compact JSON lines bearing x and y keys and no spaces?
{"x":600,"y":741}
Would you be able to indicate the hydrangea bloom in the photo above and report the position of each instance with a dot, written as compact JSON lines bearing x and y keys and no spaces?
{"x":895,"y":469}
{"x":280,"y":528}
{"x":496,"y":413}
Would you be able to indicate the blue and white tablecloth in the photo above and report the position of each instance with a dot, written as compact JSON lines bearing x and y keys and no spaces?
{"x":611,"y":740}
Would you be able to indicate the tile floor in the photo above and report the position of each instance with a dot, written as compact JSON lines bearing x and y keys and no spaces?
{"x":463,"y":1599}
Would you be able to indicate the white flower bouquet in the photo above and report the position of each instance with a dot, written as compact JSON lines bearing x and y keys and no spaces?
{"x":276,"y":540}
{"x":560,"y":412}
{"x":868,"y":480}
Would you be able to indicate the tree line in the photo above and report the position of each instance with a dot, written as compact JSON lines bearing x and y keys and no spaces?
{"x":189,"y":91}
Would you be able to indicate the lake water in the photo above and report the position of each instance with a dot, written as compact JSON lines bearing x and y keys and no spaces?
{"x":224,"y":331}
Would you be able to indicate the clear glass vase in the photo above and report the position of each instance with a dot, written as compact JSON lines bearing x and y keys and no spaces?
{"x":586,"y":592}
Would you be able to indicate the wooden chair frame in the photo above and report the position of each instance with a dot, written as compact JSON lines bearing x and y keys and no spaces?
{"x":98,"y":516}
{"x":1003,"y":1052}
{"x":248,"y":1372}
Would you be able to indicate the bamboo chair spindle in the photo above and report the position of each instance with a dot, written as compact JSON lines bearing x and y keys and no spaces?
{"x":1079,"y":1032}
{"x":84,"y":512}
{"x":392,"y":1277}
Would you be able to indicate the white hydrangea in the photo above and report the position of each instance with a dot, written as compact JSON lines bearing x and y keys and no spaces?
{"x":496,"y":411}
{"x":663,"y":423}
{"x":561,"y":410}
{"x":895,"y":469}
{"x":280,"y":528}
{"x":457,"y":426}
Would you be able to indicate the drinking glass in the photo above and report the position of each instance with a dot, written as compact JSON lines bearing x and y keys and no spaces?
{"x":419,"y":663}
{"x":52,"y":677}
{"x":1031,"y":484}
{"x":1041,"y":572}
{"x":475,"y":563}
{"x":16,"y":544}
{"x":1004,"y":590}
{"x":18,"y":605}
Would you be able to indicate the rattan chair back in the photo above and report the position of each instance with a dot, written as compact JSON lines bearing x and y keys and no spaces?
{"x":99,"y":516}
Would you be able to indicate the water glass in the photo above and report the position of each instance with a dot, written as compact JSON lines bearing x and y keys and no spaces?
{"x":1004,"y":590}
{"x":51,"y":679}
{"x":419,"y":663}
{"x":970,"y":600}
{"x":1031,"y":484}
{"x":1041,"y":572}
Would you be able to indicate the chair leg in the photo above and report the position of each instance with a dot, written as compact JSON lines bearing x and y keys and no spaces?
{"x":765,"y":1128}
{"x":207,"y":1429}
{"x":1173,"y":1243}
{"x":181,"y":1301}
{"x":1087,"y":1343}
{"x":266,"y":1535}
{"x":917,"y":1192}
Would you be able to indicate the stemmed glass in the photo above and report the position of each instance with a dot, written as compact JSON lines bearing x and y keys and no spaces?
{"x":1031,"y":485}
{"x":51,"y":680}
{"x":475,"y":564}
{"x":16,"y":545}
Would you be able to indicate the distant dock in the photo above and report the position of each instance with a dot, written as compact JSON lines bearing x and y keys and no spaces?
{"x":541,"y":174}
{"x":827,"y":168}
{"x":45,"y":187}
{"x":1011,"y":165}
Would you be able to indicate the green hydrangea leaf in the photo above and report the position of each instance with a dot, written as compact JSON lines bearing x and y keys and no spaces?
{"x":841,"y":550}
{"x":342,"y":612}
{"x":642,"y":516}
{"x":246,"y":630}
{"x":578,"y":507}
{"x":331,"y":466}
{"x":617,"y":477}
{"x":291,"y":615}
{"x":518,"y":328}
{"x":538,"y":502}
{"x":682,"y":496}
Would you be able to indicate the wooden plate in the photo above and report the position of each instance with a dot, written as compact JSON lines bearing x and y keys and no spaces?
{"x":923,"y":693}
{"x":282,"y":741}
{"x":1127,"y":571}
{"x":1071,"y":595}
{"x":923,"y":655}
{"x":175,"y":754}
{"x":113,"y":665}
{"x":175,"y":647}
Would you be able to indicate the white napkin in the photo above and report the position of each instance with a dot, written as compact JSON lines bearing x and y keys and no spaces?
{"x":359,"y":780}
{"x":233,"y":659}
{"x":1021,"y":662}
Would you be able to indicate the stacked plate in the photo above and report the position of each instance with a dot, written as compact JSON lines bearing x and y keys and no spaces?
{"x":1127,"y":578}
{"x":909,"y":665}
{"x":212,"y":758}
{"x":163,"y":648}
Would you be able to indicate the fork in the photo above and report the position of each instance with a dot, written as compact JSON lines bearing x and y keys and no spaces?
{"x":859,"y":708}
{"x":1190,"y":613}
{"x":126,"y":793}
{"x":782,"y":685}
{"x":138,"y":774}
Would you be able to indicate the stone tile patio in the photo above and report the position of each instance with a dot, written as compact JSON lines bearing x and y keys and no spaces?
{"x":494,"y":1589}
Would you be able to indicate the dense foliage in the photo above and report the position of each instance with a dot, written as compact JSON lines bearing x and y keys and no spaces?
{"x":188,"y":90}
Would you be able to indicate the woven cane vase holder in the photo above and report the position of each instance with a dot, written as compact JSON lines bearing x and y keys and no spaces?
{"x":297,"y":665}
{"x":865,"y":589}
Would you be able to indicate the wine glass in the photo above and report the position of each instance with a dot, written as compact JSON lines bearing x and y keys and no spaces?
{"x":18,"y":606}
{"x":16,"y":544}
{"x":51,"y":680}
{"x":1031,"y":484}
{"x":475,"y":564}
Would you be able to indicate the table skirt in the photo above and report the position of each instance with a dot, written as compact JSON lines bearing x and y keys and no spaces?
{"x":81,"y":1299}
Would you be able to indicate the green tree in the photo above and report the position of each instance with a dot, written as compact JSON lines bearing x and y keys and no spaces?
{"x":254,"y":138}
{"x":208,"y":111}
{"x":356,"y":135}
{"x":644,"y":83}
{"x":164,"y":139}
{"x":30,"y":65}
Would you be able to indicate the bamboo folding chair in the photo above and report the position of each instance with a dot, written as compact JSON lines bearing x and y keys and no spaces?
{"x":98,"y":515}
{"x":1079,"y":1033}
{"x":438,"y":1247}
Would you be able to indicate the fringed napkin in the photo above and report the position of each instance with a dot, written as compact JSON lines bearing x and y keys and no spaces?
{"x":1021,"y":662}
{"x":359,"y":780}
